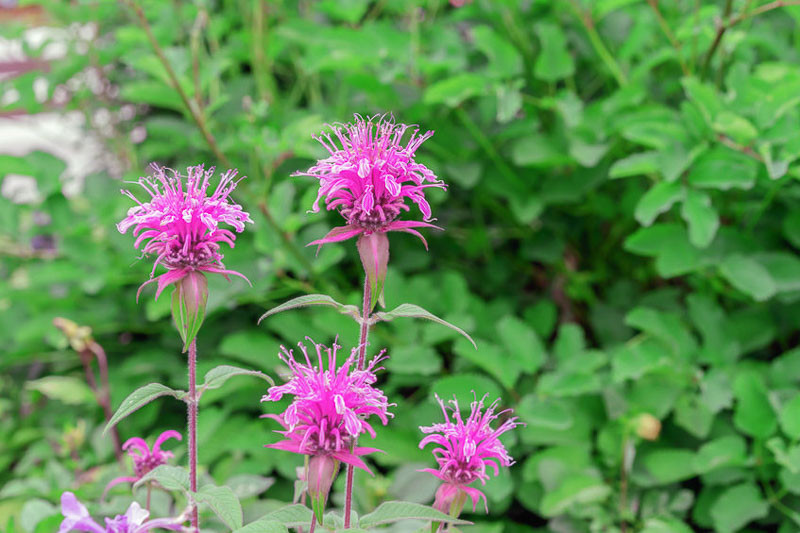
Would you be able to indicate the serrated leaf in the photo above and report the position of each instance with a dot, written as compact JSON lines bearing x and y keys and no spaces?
{"x":312,"y":299}
{"x":523,"y":343}
{"x":724,"y":169}
{"x":635,"y":165}
{"x":753,"y":413}
{"x":223,"y":502}
{"x":139,"y":398}
{"x":389,"y":512}
{"x":168,"y":476}
{"x":737,"y":506}
{"x":217,"y":376}
{"x":415,"y":311}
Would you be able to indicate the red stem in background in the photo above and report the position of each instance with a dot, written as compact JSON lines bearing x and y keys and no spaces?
{"x":362,"y":354}
{"x":192,"y":414}
{"x":104,"y":394}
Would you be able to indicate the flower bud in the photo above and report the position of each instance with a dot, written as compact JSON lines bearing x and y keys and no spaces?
{"x":322,"y":470}
{"x":648,"y":427}
{"x":189,"y":305}
{"x":373,"y":248}
{"x":450,"y":499}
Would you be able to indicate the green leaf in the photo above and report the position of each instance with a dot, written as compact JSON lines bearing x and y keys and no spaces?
{"x":453,"y":91}
{"x":724,"y":169}
{"x":749,"y":276}
{"x":223,"y":502}
{"x":71,"y":391}
{"x":312,"y":299}
{"x":522,"y":342}
{"x":415,"y":311}
{"x":738,"y":506}
{"x":554,"y":61}
{"x":266,"y":526}
{"x":544,"y":413}
{"x":502,"y":365}
{"x":504,"y":59}
{"x":706,"y":97}
{"x":635,"y":165}
{"x":139,"y":398}
{"x":577,"y":489}
{"x":538,"y":150}
{"x":701,"y":217}
{"x":659,"y":199}
{"x":722,"y":452}
{"x":753,"y":413}
{"x":389,"y":512}
{"x":290,"y":516}
{"x":665,"y":525}
{"x":790,"y":418}
{"x":668,"y":465}
{"x":168,"y":476}
{"x":737,"y":127}
{"x":217,"y":376}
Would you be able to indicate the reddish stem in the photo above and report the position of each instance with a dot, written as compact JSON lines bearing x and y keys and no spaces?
{"x":362,"y":355}
{"x":192,"y":408}
{"x":104,"y":394}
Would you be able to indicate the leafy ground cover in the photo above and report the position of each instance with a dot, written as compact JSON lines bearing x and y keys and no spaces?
{"x":621,"y":235}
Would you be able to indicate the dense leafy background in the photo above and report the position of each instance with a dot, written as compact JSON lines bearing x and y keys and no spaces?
{"x":622,"y":228}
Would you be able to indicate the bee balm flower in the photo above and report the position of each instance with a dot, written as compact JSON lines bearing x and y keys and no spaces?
{"x":369,"y":175}
{"x":329,"y":411}
{"x":465,"y":450}
{"x":180,"y":223}
{"x":144,"y":458}
{"x":135,"y":519}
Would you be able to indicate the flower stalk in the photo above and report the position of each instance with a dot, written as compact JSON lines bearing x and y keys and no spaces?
{"x":191,"y":402}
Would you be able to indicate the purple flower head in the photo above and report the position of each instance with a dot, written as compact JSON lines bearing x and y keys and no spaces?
{"x":180,"y":224}
{"x":330,"y":407}
{"x":144,"y":458}
{"x":369,"y":175}
{"x":135,"y":519}
{"x":466,"y":449}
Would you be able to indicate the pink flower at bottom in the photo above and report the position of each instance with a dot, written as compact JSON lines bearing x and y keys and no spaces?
{"x":465,"y":450}
{"x":330,"y":407}
{"x":144,"y":458}
{"x":135,"y":519}
{"x":369,"y":175}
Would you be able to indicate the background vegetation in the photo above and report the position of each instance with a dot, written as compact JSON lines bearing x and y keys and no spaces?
{"x":621,"y":239}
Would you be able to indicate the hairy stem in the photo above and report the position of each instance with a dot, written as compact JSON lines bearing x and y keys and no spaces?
{"x":362,"y":355}
{"x":192,"y":414}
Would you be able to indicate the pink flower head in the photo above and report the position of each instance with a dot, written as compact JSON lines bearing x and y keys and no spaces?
{"x":466,"y":449}
{"x":370,"y":176}
{"x":180,"y":222}
{"x":135,"y":519}
{"x":330,"y":407}
{"x":144,"y":458}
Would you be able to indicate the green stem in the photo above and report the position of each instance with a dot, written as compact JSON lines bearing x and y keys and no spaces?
{"x":597,"y":43}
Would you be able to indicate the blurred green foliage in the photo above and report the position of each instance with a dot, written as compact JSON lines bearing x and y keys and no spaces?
{"x":621,"y":240}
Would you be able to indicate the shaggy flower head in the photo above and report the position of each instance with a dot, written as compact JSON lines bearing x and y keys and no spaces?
{"x":369,"y":175}
{"x":330,"y":407}
{"x":135,"y":519}
{"x":144,"y":458}
{"x":465,"y":450}
{"x":180,"y":223}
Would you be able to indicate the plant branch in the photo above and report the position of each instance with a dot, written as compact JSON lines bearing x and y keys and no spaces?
{"x":670,"y":36}
{"x":585,"y":17}
{"x":362,"y":355}
{"x":193,"y":110}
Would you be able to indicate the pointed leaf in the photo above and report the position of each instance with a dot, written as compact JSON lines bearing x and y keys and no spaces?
{"x":141,"y":397}
{"x":415,"y":311}
{"x":223,"y":502}
{"x":168,"y":476}
{"x":701,"y":217}
{"x":217,"y":376}
{"x":313,"y":299}
{"x":389,"y":512}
